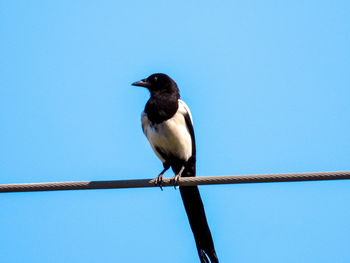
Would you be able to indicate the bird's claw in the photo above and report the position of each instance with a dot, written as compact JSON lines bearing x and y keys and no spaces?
{"x":159,"y":181}
{"x":175,"y":180}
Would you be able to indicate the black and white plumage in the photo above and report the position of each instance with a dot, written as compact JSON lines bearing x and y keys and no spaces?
{"x":167,"y":124}
{"x":171,"y":137}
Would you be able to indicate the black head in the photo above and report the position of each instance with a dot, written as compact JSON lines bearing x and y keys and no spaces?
{"x":158,"y":82}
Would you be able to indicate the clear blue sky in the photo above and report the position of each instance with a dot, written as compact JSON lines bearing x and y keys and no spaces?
{"x":268,"y":84}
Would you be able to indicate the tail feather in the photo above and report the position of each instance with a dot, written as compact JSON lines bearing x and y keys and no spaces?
{"x":198,"y":222}
{"x":196,"y":215}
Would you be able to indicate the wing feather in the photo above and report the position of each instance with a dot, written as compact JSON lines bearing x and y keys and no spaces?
{"x":189,"y":123}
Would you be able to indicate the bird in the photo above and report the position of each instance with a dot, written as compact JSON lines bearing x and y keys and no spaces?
{"x":168,"y":126}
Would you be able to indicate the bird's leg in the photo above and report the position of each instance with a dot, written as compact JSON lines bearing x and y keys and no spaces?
{"x":159,"y":179}
{"x":175,"y":179}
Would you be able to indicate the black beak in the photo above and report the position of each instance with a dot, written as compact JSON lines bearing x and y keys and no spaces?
{"x":142,"y":83}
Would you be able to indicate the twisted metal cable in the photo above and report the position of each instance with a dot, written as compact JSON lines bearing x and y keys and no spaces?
{"x":184,"y":181}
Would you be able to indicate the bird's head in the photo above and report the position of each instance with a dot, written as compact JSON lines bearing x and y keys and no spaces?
{"x":158,"y":82}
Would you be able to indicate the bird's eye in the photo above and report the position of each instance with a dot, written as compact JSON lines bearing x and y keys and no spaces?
{"x":155,"y":78}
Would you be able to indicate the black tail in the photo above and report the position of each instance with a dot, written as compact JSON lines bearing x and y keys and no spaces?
{"x":196,"y":216}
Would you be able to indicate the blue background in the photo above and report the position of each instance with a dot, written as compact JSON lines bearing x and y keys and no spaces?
{"x":268,"y":85}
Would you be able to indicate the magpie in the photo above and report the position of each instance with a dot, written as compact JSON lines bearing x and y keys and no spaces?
{"x":167,"y":124}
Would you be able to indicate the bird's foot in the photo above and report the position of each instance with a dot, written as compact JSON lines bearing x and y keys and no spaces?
{"x":175,"y":180}
{"x":159,"y":181}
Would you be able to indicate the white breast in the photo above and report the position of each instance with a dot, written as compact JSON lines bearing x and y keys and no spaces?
{"x":171,"y":136}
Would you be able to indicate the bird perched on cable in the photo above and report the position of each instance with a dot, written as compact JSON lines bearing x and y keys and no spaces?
{"x":167,"y":124}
